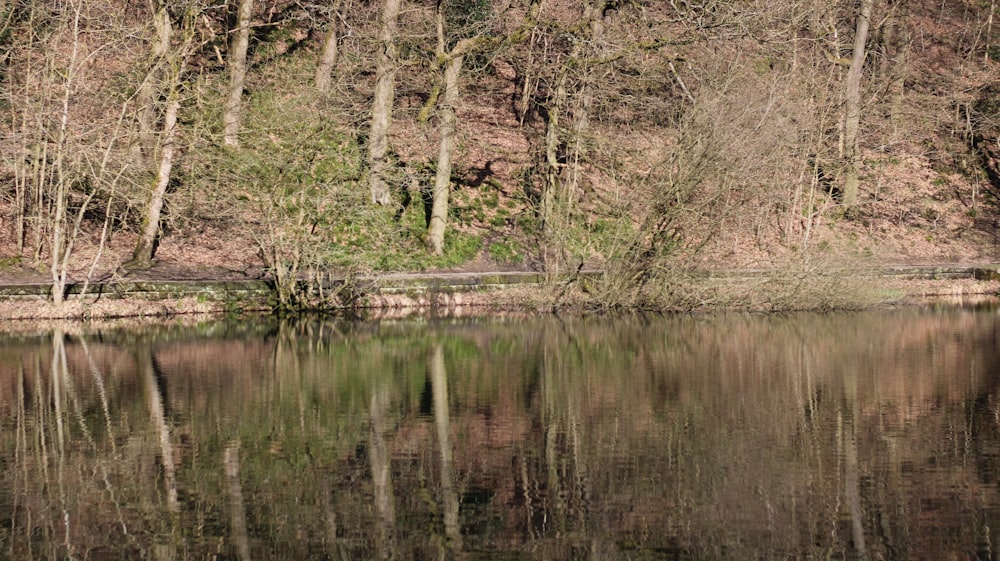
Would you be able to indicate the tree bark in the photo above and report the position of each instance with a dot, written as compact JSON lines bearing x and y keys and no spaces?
{"x":331,"y":51}
{"x":237,"y":62}
{"x":852,"y":120}
{"x":382,"y":104}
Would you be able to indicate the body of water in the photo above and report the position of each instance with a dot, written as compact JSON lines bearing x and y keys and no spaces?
{"x":870,"y":435}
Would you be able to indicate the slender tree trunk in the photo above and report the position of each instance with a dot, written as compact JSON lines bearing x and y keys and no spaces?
{"x":989,"y":31}
{"x":237,"y":61}
{"x":381,"y":122}
{"x":550,"y":188}
{"x":442,"y":180}
{"x":59,"y":234}
{"x":562,"y":171}
{"x":331,"y":50}
{"x":852,"y":120}
{"x":897,"y":39}
{"x":593,"y":14}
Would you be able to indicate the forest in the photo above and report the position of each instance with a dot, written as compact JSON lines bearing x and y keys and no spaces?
{"x":648,"y":138}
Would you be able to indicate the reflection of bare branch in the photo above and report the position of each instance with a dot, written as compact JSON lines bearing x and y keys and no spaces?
{"x":852,"y":484}
{"x":439,"y":383}
{"x":102,"y":392}
{"x":852,"y":490}
{"x":237,"y":512}
{"x":58,"y":356}
{"x":59,"y":369}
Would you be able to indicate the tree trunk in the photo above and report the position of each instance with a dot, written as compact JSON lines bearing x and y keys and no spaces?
{"x":552,"y":139}
{"x":237,"y":61}
{"x":852,"y":120}
{"x":150,"y":86}
{"x":176,"y":61}
{"x":593,"y":14}
{"x":562,"y":170}
{"x":331,"y":50}
{"x":142,"y":256}
{"x":442,"y":180}
{"x":896,"y":40}
{"x":385,"y":78}
{"x":59,"y":243}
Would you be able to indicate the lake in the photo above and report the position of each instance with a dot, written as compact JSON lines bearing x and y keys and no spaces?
{"x":863,"y":435}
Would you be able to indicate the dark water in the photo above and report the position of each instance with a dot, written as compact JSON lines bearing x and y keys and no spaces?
{"x":841,"y":436}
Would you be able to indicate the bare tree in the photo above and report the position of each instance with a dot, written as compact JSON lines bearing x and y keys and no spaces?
{"x":452,"y":60}
{"x":852,"y":110}
{"x":382,"y":103}
{"x":142,"y":255}
{"x":151,"y":84}
{"x":331,"y":50}
{"x":237,"y":62}
{"x":562,"y":171}
{"x":449,"y":99}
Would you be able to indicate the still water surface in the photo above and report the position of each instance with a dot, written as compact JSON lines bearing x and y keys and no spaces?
{"x":841,"y":436}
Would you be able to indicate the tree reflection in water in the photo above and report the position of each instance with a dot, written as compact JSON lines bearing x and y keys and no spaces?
{"x":856,"y":436}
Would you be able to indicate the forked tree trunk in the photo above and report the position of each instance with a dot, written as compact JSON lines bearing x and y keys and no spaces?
{"x":237,"y":62}
{"x":331,"y":50}
{"x":385,"y":82}
{"x":896,"y":41}
{"x":852,"y":118}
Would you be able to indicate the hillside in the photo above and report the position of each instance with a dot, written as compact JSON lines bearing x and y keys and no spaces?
{"x":637,"y":136}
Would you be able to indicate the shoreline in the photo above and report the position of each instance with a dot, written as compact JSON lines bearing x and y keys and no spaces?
{"x":444,"y":294}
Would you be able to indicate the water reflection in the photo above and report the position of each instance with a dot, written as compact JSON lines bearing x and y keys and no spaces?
{"x":848,"y":436}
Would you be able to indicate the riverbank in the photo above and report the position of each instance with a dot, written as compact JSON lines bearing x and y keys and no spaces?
{"x":474,"y":293}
